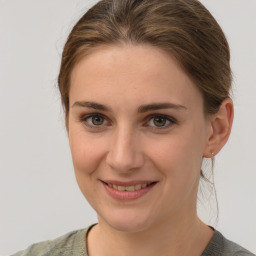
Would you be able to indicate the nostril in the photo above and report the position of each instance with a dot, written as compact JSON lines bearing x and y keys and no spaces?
{"x":125,"y":162}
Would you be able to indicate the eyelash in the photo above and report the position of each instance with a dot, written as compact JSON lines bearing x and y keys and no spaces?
{"x":84,"y":119}
{"x":169,"y":119}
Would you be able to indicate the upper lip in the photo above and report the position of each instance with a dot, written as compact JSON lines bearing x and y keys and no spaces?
{"x":128,"y":183}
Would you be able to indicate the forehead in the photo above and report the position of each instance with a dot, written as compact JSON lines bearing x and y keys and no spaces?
{"x":141,"y":72}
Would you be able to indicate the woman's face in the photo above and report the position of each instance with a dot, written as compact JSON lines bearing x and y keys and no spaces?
{"x":137,"y":134}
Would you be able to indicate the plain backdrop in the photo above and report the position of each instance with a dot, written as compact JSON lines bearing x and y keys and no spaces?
{"x":39,"y":197}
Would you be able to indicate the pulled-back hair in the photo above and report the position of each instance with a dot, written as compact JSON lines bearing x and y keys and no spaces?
{"x":183,"y":28}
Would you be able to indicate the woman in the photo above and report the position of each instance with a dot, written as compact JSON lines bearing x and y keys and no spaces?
{"x":145,"y":88}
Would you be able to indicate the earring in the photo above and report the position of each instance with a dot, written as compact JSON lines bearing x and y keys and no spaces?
{"x":212,"y":154}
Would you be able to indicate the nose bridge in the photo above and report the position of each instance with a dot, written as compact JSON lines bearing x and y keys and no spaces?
{"x":125,"y":153}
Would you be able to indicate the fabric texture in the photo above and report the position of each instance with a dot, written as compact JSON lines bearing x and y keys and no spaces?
{"x":220,"y":246}
{"x":73,"y":244}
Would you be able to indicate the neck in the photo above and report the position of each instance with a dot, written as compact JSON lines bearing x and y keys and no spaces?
{"x":180,"y":237}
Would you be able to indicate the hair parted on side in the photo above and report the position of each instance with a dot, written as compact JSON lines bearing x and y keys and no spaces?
{"x":183,"y":28}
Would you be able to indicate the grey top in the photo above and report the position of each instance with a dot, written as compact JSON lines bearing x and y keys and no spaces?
{"x":73,"y":244}
{"x":220,"y":246}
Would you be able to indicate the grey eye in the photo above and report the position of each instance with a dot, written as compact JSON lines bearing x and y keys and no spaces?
{"x":96,"y":120}
{"x":159,"y":121}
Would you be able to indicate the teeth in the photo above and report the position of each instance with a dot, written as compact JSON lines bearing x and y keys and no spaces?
{"x":137,"y":187}
{"x":121,"y":188}
{"x":128,"y":188}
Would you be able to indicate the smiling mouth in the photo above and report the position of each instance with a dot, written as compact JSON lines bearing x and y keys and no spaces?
{"x":127,"y":191}
{"x":130,"y":187}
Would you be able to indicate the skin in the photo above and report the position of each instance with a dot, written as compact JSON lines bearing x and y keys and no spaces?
{"x":126,"y":145}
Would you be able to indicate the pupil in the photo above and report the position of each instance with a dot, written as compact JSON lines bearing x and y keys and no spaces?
{"x":159,"y":121}
{"x":97,"y":120}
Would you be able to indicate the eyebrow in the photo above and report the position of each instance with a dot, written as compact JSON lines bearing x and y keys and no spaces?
{"x":93,"y":105}
{"x":158,"y":106}
{"x":141,"y":109}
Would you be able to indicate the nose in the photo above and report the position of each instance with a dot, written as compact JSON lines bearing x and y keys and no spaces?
{"x":125,"y":153}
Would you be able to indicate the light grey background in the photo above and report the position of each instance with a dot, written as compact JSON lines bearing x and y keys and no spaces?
{"x":39,"y":198}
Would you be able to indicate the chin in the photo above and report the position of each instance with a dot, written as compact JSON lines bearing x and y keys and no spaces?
{"x":126,"y":222}
{"x":128,"y":227}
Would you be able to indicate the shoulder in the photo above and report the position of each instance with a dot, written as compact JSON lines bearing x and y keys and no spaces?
{"x":219,"y":245}
{"x":73,"y":243}
{"x":231,"y":248}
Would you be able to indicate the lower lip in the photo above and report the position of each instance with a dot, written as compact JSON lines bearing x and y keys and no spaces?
{"x":128,"y":195}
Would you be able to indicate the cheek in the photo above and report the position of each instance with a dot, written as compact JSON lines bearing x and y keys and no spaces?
{"x":86,"y":152}
{"x":86,"y":156}
{"x":178,"y":154}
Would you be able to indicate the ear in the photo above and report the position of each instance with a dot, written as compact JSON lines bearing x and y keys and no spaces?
{"x":220,"y":128}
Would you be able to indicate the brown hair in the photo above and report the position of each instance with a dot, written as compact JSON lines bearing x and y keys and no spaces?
{"x":184,"y":28}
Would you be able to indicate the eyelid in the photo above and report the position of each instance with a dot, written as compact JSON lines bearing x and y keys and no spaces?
{"x":172,"y":120}
{"x":84,"y":118}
